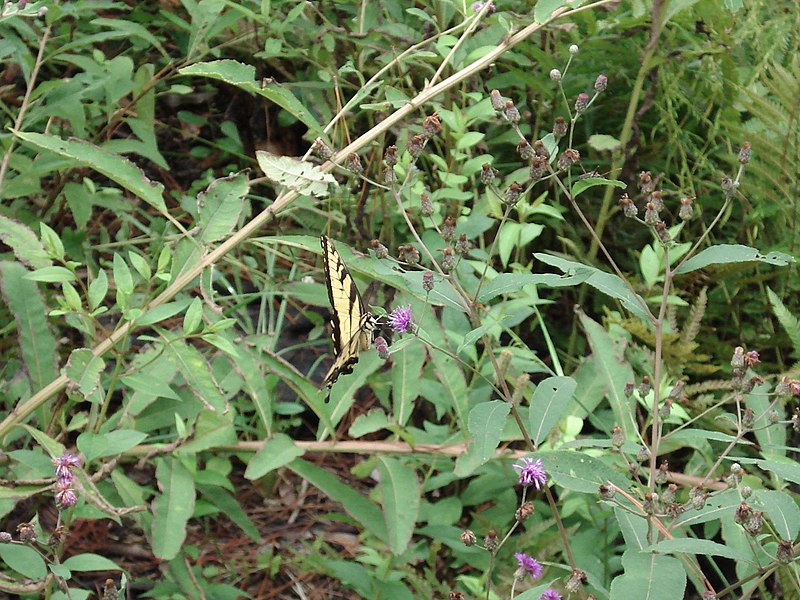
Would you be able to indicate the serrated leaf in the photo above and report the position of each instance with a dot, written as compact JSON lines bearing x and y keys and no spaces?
{"x":303,"y":177}
{"x":733,"y":253}
{"x":113,"y":166}
{"x":275,"y":453}
{"x":549,"y":403}
{"x":172,"y":508}
{"x":35,"y":340}
{"x":23,"y":242}
{"x":220,"y":206}
{"x":400,"y":496}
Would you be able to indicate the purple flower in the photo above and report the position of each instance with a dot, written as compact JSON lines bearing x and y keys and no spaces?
{"x":531,"y":472}
{"x":476,"y":6}
{"x":400,"y":319}
{"x":64,"y":465}
{"x":550,"y":594}
{"x":528,"y":566}
{"x":65,"y":495}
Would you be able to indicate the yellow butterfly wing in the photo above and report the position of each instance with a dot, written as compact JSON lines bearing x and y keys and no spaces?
{"x":352,"y":324}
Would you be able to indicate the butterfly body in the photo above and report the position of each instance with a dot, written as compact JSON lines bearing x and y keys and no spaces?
{"x":352,"y":325}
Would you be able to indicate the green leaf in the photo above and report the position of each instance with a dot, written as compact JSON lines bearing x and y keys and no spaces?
{"x":607,"y":283}
{"x":113,"y":166}
{"x":52,"y":447}
{"x":243,"y":76}
{"x":406,"y":375}
{"x":545,"y":8}
{"x":84,"y":369}
{"x":733,"y":253}
{"x":354,"y":504}
{"x":549,"y":403}
{"x":305,"y":178}
{"x":449,"y":373}
{"x":782,"y":510}
{"x":469,"y":139}
{"x":220,"y":206}
{"x":486,"y":422}
{"x":140,"y":264}
{"x":695,"y":546}
{"x":54,"y":274}
{"x":604,"y":142}
{"x":193,"y":317}
{"x":650,"y":576}
{"x":122,"y":275}
{"x":26,"y":246}
{"x":400,"y":493}
{"x":578,"y":471}
{"x":275,"y":453}
{"x":90,"y":562}
{"x":196,"y":372}
{"x":164,"y":311}
{"x":223,"y":343}
{"x":52,"y":243}
{"x":172,"y":507}
{"x":582,"y":185}
{"x":231,"y":509}
{"x":98,"y":289}
{"x":113,"y":443}
{"x":24,"y":560}
{"x":507,"y":283}
{"x":35,"y":340}
{"x":771,"y":436}
{"x":614,"y":370}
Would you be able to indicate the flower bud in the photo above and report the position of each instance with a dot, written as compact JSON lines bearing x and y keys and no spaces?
{"x":785,"y":552}
{"x":511,"y":197}
{"x":606,"y":491}
{"x":468,"y":538}
{"x":650,"y":503}
{"x":463,"y":245}
{"x":498,"y":102}
{"x":617,"y":439}
{"x":662,"y":232}
{"x":555,"y":75}
{"x":657,"y":198}
{"x":524,"y":511}
{"x":668,"y":495}
{"x":488,"y":173}
{"x":628,"y":389}
{"x":26,"y":532}
{"x":431,"y":125}
{"x":426,"y":206}
{"x":686,"y":211}
{"x":663,"y":473}
{"x":5,"y":537}
{"x":388,"y":175}
{"x":748,"y":419}
{"x":427,"y":281}
{"x":697,"y":496}
{"x":628,"y":207}
{"x":745,"y":154}
{"x":746,"y":491}
{"x":573,"y":49}
{"x":728,"y":186}
{"x":560,"y":128}
{"x":646,"y":183}
{"x":382,"y":347}
{"x":409,"y":254}
{"x":601,"y":83}
{"x":568,"y":158}
{"x":645,"y":387}
{"x":538,"y":167}
{"x":540,"y":149}
{"x":582,"y":102}
{"x":490,"y":541}
{"x":575,"y":581}
{"x":390,"y":155}
{"x":321,"y":149}
{"x":650,"y":214}
{"x":511,"y":113}
{"x":449,"y":229}
{"x":643,"y":454}
{"x":525,"y":150}
{"x":448,"y":260}
{"x":416,"y":144}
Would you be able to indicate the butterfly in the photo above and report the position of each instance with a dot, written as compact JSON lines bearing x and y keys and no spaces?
{"x":352,"y":325}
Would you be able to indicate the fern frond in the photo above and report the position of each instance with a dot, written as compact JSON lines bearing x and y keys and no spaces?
{"x":692,"y":325}
{"x":788,"y":321}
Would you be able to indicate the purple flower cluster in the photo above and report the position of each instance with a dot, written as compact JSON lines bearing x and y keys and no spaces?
{"x":400,"y":319}
{"x":550,"y":594}
{"x":528,"y":566}
{"x":65,"y":494}
{"x":531,"y":472}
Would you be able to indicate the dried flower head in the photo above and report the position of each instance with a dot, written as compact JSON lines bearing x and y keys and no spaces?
{"x":390,"y":155}
{"x":511,"y":197}
{"x":650,"y":214}
{"x":686,"y":211}
{"x":449,"y":229}
{"x":416,"y":144}
{"x":646,"y":184}
{"x":353,"y":163}
{"x":645,"y":387}
{"x":463,"y":245}
{"x":488,"y":173}
{"x":408,"y":254}
{"x":490,"y":541}
{"x":628,"y":207}
{"x":606,"y":491}
{"x":525,"y":150}
{"x":650,"y":503}
{"x":531,"y":472}
{"x":26,"y":532}
{"x":498,"y":102}
{"x":381,"y":251}
{"x":321,"y":149}
{"x":745,"y":154}
{"x":431,"y":125}
{"x":427,"y":281}
{"x":448,"y":260}
{"x":524,"y":511}
{"x":468,"y":538}
{"x":388,"y":175}
{"x":785,"y":552}
{"x":617,"y":438}
{"x":540,"y":149}
{"x":662,"y":232}
{"x":381,"y":347}
{"x":568,"y":158}
{"x":576,"y":579}
{"x":657,"y":198}
{"x":560,"y":128}
{"x":538,"y":167}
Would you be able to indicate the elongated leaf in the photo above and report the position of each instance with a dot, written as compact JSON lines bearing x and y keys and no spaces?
{"x":37,"y":344}
{"x":231,"y":509}
{"x":52,"y":274}
{"x":243,"y":76}
{"x":609,"y":284}
{"x":633,"y":528}
{"x":406,"y":368}
{"x":507,"y":283}
{"x":771,"y":436}
{"x":614,"y":370}
{"x":733,"y":253}
{"x":545,"y":8}
{"x":549,"y":403}
{"x":90,"y":562}
{"x":578,"y":471}
{"x":486,"y":422}
{"x":26,"y":246}
{"x":113,"y":166}
{"x":219,"y":207}
{"x":172,"y":507}
{"x":695,"y":546}
{"x":305,"y":178}
{"x":113,"y":443}
{"x":649,"y":576}
{"x":452,"y":378}
{"x":782,"y":510}
{"x":197,"y":373}
{"x":400,"y":494}
{"x":275,"y":453}
{"x":353,"y":503}
{"x":582,"y":185}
